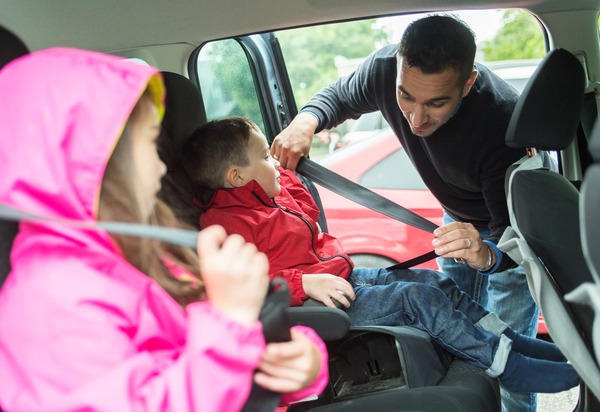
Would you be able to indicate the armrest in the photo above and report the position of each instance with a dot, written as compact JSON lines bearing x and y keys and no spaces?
{"x":329,"y":323}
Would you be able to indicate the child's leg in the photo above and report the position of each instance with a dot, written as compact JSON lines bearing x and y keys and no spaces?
{"x":523,"y":374}
{"x":461,"y":301}
{"x":531,"y":347}
{"x":427,"y":308}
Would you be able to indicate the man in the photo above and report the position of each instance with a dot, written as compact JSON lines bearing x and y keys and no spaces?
{"x":451,"y":117}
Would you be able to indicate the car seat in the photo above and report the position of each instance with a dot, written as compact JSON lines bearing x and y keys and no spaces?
{"x":589,"y":292}
{"x":383,"y":368}
{"x":11,"y":48}
{"x":543,"y":205}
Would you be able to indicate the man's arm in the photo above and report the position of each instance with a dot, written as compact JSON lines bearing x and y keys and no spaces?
{"x":346,"y":98}
{"x":294,"y":141}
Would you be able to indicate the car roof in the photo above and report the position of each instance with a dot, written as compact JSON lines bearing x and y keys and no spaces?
{"x":112,"y":25}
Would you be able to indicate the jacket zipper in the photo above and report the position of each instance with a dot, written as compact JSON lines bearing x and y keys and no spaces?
{"x":307,"y":223}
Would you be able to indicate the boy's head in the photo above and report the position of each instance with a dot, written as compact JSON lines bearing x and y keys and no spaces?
{"x":230,"y":153}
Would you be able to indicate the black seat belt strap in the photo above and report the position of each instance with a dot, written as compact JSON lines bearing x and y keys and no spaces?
{"x":366,"y":197}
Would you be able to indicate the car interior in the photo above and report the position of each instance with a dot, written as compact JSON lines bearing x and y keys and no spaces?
{"x":555,"y":229}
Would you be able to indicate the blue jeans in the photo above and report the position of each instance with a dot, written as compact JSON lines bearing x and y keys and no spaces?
{"x":506,"y":294}
{"x":431,"y":302}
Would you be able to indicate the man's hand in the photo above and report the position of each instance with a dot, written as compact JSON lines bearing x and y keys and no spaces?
{"x":294,"y":141}
{"x":462,"y":241}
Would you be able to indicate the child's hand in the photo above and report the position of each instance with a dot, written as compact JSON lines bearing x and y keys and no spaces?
{"x":234,"y":274}
{"x":324,"y":286}
{"x":289,"y":366}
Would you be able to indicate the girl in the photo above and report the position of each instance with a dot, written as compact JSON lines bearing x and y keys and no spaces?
{"x":95,"y":321}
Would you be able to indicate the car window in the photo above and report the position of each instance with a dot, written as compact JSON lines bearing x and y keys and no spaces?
{"x":315,"y":57}
{"x":226,"y":82}
{"x":393,"y":172}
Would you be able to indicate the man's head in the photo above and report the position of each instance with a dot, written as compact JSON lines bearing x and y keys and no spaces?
{"x":230,"y":153}
{"x":435,"y":61}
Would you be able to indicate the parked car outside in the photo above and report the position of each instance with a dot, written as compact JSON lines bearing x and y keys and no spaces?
{"x":372,"y":239}
{"x":365,"y":126}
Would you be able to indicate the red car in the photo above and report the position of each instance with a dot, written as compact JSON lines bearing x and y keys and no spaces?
{"x":370,"y":238}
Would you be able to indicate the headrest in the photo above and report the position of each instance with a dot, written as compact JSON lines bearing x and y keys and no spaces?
{"x":547,"y":114}
{"x":594,"y":143}
{"x":11,"y":47}
{"x":184,"y":112}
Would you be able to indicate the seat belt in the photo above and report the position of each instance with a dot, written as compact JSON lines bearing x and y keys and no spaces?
{"x":368,"y":198}
{"x":273,"y":315}
{"x":174,"y":236}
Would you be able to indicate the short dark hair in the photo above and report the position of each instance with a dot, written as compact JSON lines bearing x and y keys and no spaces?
{"x":438,"y":42}
{"x":215,"y":146}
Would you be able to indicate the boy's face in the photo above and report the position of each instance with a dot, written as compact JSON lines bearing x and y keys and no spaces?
{"x":262,"y":167}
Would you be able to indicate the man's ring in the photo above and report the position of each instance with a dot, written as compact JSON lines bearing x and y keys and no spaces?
{"x":468,"y":243}
{"x":275,"y":156}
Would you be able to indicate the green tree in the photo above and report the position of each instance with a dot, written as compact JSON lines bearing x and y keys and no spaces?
{"x":519,"y":38}
{"x":226,"y":82}
{"x":310,"y":52}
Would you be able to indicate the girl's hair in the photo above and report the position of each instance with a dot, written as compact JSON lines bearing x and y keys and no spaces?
{"x":215,"y":146}
{"x":119,"y":202}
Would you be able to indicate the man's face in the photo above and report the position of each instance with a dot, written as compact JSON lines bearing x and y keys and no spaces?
{"x":428,"y":101}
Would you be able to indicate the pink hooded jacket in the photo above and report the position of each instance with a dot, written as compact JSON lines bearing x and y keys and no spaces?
{"x":80,"y":328}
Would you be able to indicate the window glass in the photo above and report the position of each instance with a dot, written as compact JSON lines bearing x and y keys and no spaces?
{"x":226,"y":82}
{"x":393,"y":172}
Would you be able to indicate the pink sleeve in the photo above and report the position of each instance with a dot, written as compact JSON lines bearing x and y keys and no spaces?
{"x":213,"y":372}
{"x":322,"y":378}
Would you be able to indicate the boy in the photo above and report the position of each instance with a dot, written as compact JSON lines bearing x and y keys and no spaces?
{"x":246,"y":192}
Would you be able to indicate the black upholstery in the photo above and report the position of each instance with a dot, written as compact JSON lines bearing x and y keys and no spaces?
{"x":594,"y":144}
{"x":590,"y":208}
{"x":548,"y":112}
{"x":463,"y":389}
{"x":546,"y":205}
{"x":184,"y":112}
{"x":11,"y":47}
{"x":545,"y":209}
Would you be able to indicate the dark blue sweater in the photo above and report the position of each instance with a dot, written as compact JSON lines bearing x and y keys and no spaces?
{"x":464,"y":162}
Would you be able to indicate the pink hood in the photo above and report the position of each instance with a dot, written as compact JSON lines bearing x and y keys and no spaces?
{"x":80,"y":328}
{"x":62,"y":112}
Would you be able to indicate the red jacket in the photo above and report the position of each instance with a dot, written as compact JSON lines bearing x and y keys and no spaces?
{"x":284,"y":228}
